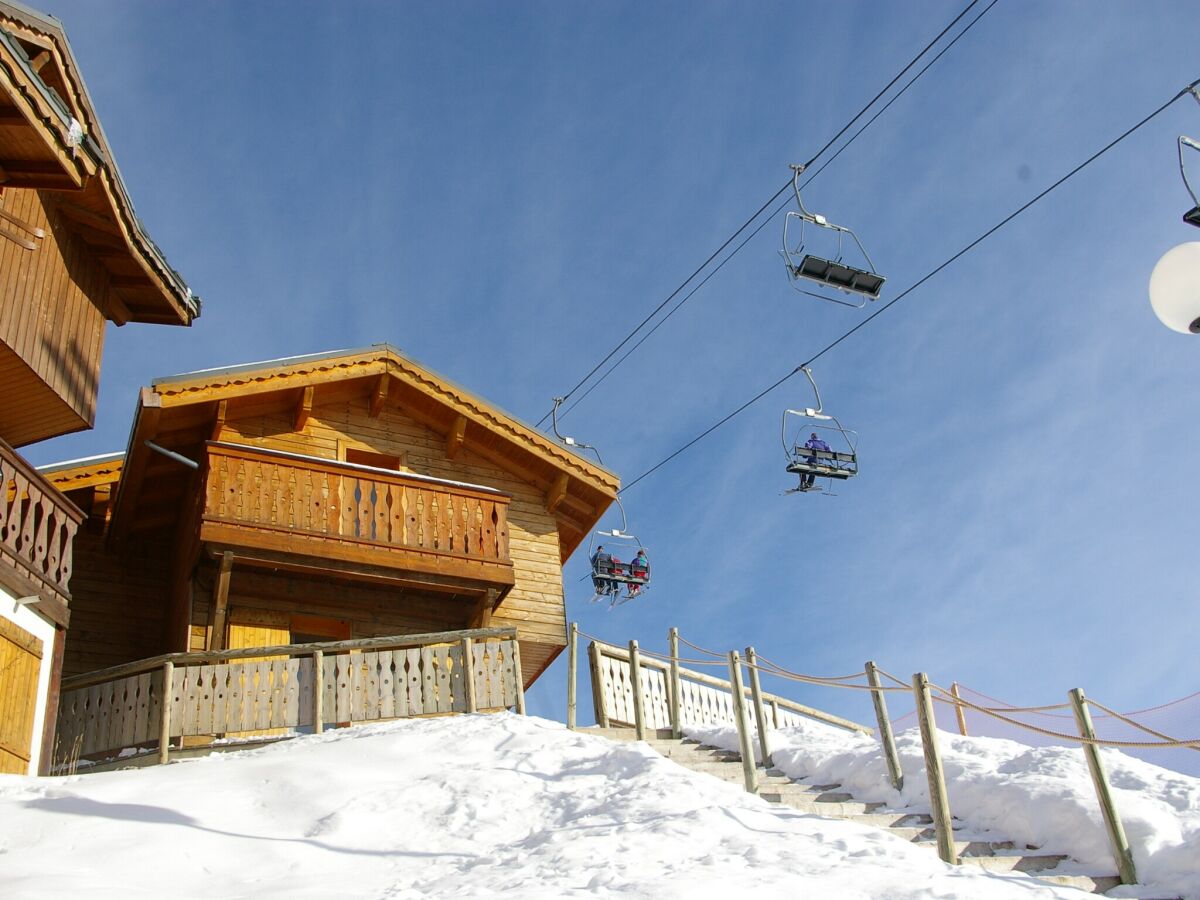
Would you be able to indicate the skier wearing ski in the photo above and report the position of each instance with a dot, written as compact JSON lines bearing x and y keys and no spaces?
{"x":813,"y":443}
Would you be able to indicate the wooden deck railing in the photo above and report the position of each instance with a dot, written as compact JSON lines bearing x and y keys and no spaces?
{"x":37,"y":526}
{"x":274,"y":689}
{"x":704,"y":700}
{"x":252,"y":491}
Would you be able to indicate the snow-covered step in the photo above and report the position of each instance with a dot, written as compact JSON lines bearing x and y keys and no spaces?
{"x":894,"y":819}
{"x":1017,"y":862}
{"x":806,"y":803}
{"x":1095,"y":884}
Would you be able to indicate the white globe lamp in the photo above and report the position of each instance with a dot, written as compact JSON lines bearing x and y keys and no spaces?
{"x":1175,"y":288}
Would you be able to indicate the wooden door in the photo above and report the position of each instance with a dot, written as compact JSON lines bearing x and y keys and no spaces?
{"x":257,"y":628}
{"x":20,"y":665}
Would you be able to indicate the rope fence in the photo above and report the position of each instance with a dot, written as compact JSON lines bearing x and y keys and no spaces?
{"x":753,"y":722}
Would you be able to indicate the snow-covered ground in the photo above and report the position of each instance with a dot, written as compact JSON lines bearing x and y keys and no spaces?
{"x":468,"y":806}
{"x":1037,"y":795}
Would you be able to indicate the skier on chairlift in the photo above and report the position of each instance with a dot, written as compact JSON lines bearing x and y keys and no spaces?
{"x":602,"y":565}
{"x":808,"y":479}
{"x":639,"y":568}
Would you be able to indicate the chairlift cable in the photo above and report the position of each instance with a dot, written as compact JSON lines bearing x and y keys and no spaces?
{"x":787,"y":186}
{"x":956,"y":256}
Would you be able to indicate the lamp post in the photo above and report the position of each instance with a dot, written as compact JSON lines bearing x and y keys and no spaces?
{"x":1175,"y":288}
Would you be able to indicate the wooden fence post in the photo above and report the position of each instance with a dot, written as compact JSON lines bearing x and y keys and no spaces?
{"x":760,"y":712}
{"x":599,"y":698}
{"x":635,"y":678}
{"x":467,"y":649}
{"x":959,"y":712}
{"x":885,"y":727}
{"x":743,"y":723}
{"x":318,"y":688}
{"x":518,"y":676}
{"x":938,"y":801}
{"x":1112,"y":822}
{"x":572,"y":671}
{"x":164,"y":723}
{"x":676,"y":697}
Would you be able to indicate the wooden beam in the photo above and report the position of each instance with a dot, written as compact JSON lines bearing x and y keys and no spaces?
{"x":557,"y":492}
{"x":87,"y":217}
{"x":118,"y":312}
{"x":379,"y":395}
{"x":219,"y":419}
{"x":456,"y":437}
{"x":40,"y":60}
{"x":216,"y":639}
{"x":303,"y":408}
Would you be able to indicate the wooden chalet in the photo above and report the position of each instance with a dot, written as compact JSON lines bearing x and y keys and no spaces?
{"x":339,"y":496}
{"x":73,"y":256}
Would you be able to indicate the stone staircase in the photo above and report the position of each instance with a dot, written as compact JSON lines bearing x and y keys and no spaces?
{"x":829,"y":800}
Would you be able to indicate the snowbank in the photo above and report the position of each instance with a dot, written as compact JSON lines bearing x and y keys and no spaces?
{"x":1036,"y":795}
{"x":468,"y":806}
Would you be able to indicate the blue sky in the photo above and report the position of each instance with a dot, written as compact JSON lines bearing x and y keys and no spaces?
{"x":504,"y":190}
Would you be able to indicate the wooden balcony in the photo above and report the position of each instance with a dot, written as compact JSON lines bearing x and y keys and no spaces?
{"x":37,"y":533}
{"x":305,"y":513}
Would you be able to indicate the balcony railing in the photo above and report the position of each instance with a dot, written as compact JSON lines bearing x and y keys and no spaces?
{"x":271,"y":692}
{"x":293,"y":504}
{"x":37,"y":528}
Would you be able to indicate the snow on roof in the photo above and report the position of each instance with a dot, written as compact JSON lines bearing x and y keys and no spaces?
{"x":82,"y":461}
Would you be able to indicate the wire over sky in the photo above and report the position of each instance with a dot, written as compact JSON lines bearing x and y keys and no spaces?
{"x":787,"y":185}
{"x":717,"y":268}
{"x":912,"y":287}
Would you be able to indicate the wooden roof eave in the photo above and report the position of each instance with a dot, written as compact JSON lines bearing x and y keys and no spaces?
{"x":178,"y":305}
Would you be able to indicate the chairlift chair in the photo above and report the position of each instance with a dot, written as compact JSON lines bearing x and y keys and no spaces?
{"x":1192,"y":216}
{"x":862,"y":284}
{"x":609,"y":575}
{"x":839,"y":462}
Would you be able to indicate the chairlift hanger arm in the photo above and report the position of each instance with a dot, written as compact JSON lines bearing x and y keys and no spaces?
{"x":1185,"y":141}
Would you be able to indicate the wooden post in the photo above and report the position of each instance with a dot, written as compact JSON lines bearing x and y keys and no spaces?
{"x":467,"y":649}
{"x":635,"y":678}
{"x":164,"y":723}
{"x":572,"y":671}
{"x":938,"y":801}
{"x":775,"y":714}
{"x":599,"y":702}
{"x":959,"y":712}
{"x":676,"y":693}
{"x":885,"y":727}
{"x":760,"y":712}
{"x":220,"y":602}
{"x":1112,"y":822}
{"x":743,"y":723}
{"x":518,"y":677}
{"x":318,"y":688}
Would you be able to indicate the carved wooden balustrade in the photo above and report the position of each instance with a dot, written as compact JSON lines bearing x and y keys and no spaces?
{"x":290,"y":504}
{"x":37,"y":531}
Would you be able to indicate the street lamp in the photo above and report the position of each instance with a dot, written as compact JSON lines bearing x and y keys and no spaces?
{"x":1175,"y":288}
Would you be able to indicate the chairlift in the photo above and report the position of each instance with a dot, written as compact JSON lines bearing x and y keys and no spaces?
{"x":1192,"y":216}
{"x":609,"y":572}
{"x":836,"y":460}
{"x":569,"y":441}
{"x":861,"y":284}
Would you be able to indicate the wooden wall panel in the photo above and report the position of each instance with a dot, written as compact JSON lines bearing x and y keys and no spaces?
{"x":118,"y":603}
{"x":20,"y":664}
{"x":52,"y":302}
{"x":535,"y":605}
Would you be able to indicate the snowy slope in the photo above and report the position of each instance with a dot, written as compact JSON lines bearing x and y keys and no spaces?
{"x":469,"y":806}
{"x":1037,"y":795}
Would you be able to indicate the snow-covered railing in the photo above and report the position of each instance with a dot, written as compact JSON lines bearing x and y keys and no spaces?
{"x":703,"y":699}
{"x":266,"y":692}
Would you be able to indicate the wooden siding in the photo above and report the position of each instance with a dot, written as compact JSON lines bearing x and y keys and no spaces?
{"x":20,"y":665}
{"x":52,"y":302}
{"x":535,"y":604}
{"x":118,"y":603}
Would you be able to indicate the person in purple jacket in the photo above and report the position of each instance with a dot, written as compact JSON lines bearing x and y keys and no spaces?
{"x":813,"y":443}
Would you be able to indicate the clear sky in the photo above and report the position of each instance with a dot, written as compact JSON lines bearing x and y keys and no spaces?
{"x":503,"y":190}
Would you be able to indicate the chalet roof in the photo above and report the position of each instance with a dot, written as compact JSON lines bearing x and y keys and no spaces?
{"x":49,"y":94}
{"x":182,"y":412}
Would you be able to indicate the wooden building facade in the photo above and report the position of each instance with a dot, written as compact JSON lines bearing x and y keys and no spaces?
{"x":337,"y":496}
{"x":73,"y":256}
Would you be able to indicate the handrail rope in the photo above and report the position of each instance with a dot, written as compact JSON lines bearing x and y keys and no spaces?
{"x":806,"y":679}
{"x":1005,"y":706}
{"x":702,"y":649}
{"x":1077,"y":738}
{"x":652,"y":653}
{"x":1150,"y":709}
{"x":1132,"y":723}
{"x":763,"y":659}
{"x":886,"y":674}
